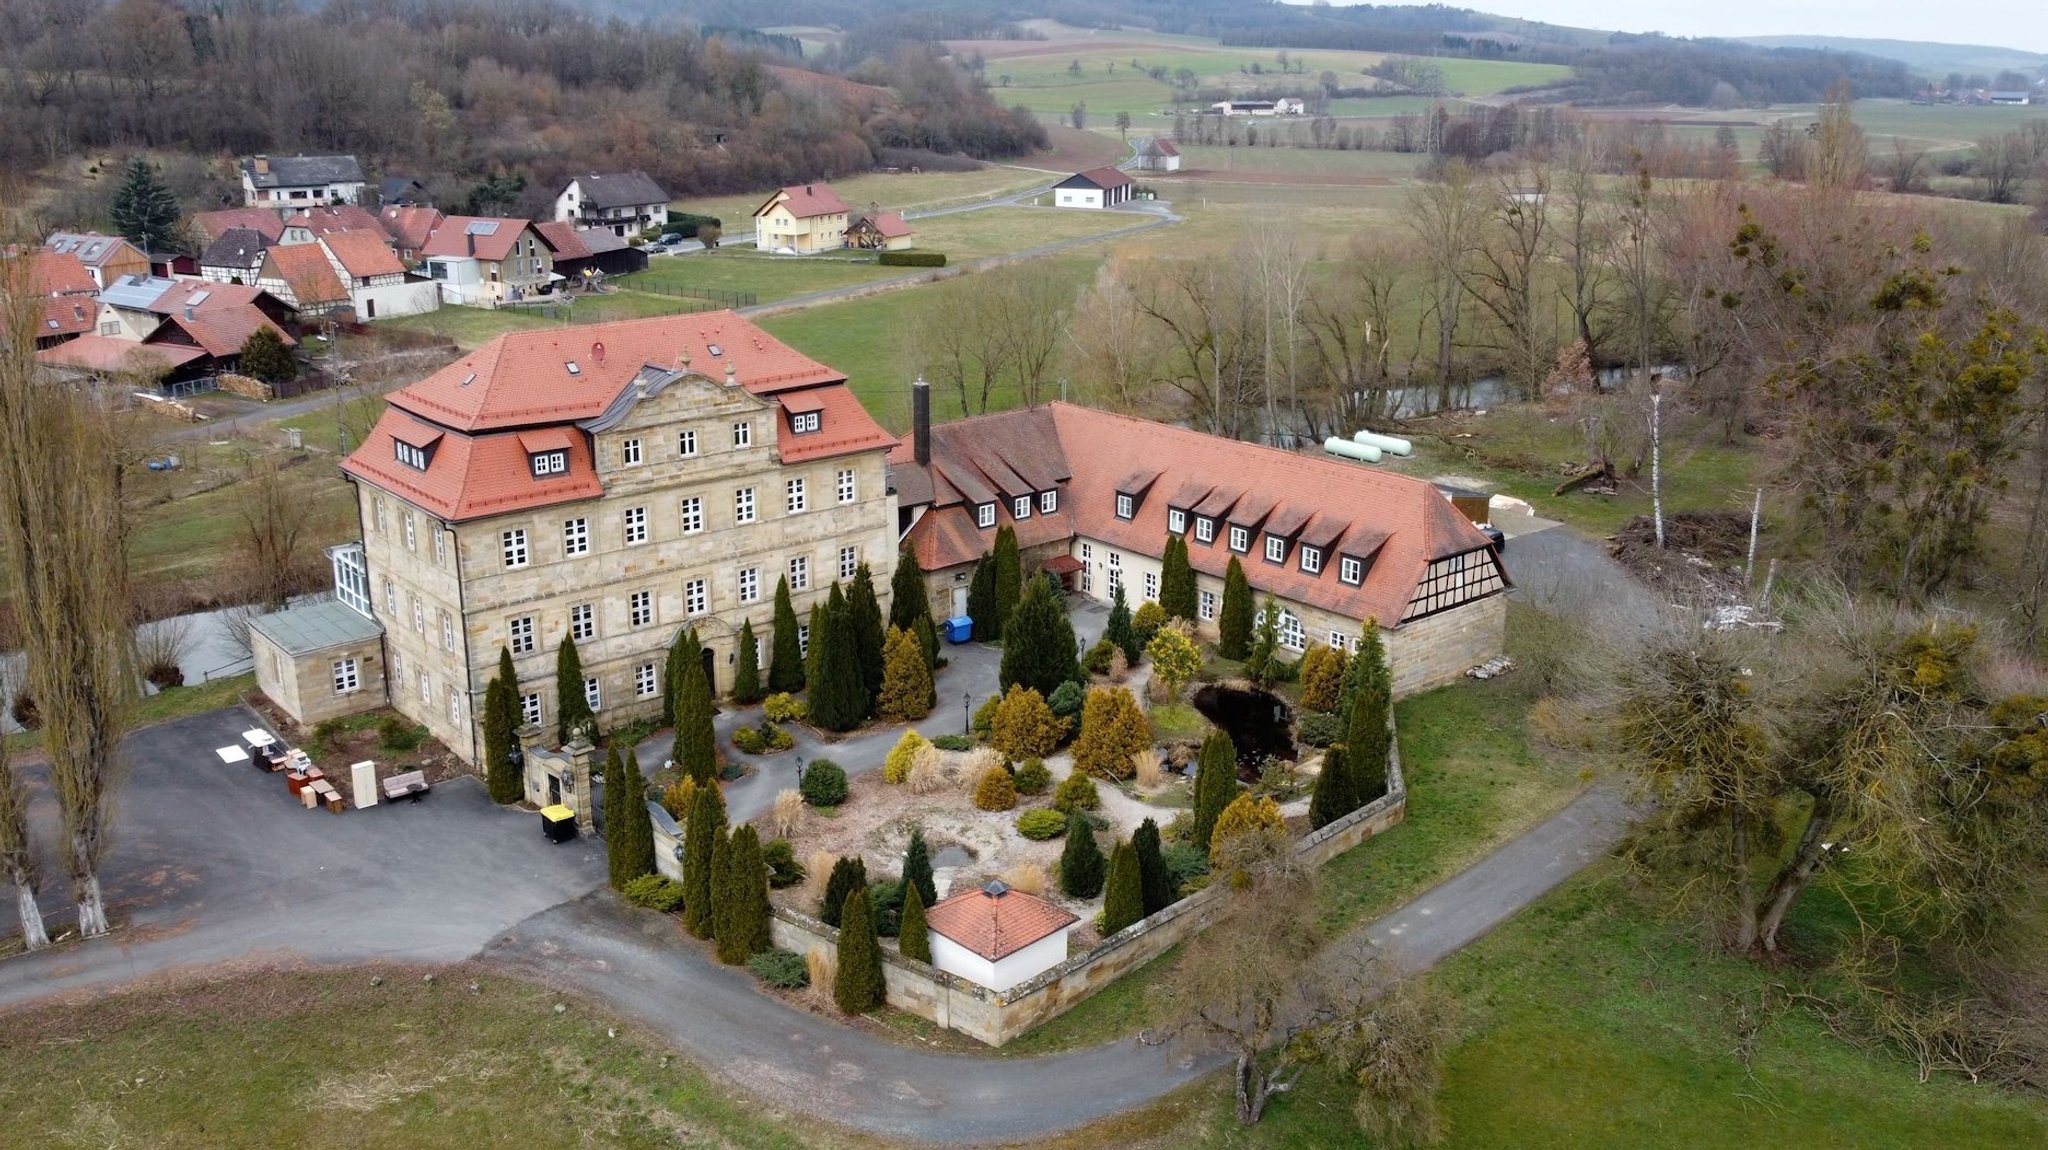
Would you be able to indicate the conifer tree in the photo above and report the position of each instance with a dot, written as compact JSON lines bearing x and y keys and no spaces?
{"x":144,"y":209}
{"x":721,"y":882}
{"x":908,"y":599}
{"x":1009,"y":577}
{"x":1234,"y":628}
{"x":838,"y":697}
{"x":1260,"y":663}
{"x":1335,"y":794}
{"x":917,"y":867}
{"x":501,"y":725}
{"x":848,"y":875}
{"x":786,"y":661}
{"x":1355,"y":670}
{"x":631,"y":852}
{"x":927,"y":633}
{"x":1367,"y":741}
{"x":1177,"y":580}
{"x":1215,"y":785}
{"x":572,"y":706}
{"x":906,"y":679}
{"x":1081,"y":860}
{"x":1113,"y":730}
{"x":696,"y":745}
{"x":859,"y":987}
{"x":1119,"y":629}
{"x":680,"y":652}
{"x":814,"y":650}
{"x":706,"y":827}
{"x":743,"y":914}
{"x":264,"y":356}
{"x":913,"y":937}
{"x":981,"y":600}
{"x":1123,"y":901}
{"x":1155,"y":880}
{"x":1039,"y":649}
{"x":864,"y":614}
{"x":746,"y":675}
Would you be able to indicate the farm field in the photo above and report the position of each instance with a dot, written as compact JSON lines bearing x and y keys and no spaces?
{"x":768,"y":278}
{"x":893,"y":191}
{"x":1299,"y":162}
{"x":1000,"y":231}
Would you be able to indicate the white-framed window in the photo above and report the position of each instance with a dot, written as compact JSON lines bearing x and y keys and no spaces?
{"x":397,"y":670}
{"x":643,"y":681}
{"x":1312,"y":560}
{"x":1338,"y":640}
{"x":1116,"y":571}
{"x":796,"y":495}
{"x":1290,"y":631}
{"x":640,"y":608}
{"x":1151,"y":586}
{"x":800,"y":573}
{"x":636,"y":526}
{"x":1087,"y":568}
{"x":743,"y":434}
{"x":1240,"y":540}
{"x":803,"y":638}
{"x":582,"y":622}
{"x":514,"y":546}
{"x":412,"y":540}
{"x":629,"y":452}
{"x":520,"y":633}
{"x":1087,"y":552}
{"x":1276,"y":549}
{"x":447,"y":631}
{"x":1205,"y":529}
{"x":696,"y":597}
{"x":419,"y":614}
{"x":547,"y":463}
{"x":383,"y":520}
{"x":455,"y":706}
{"x":985,"y":515}
{"x":1048,"y":502}
{"x":440,"y":547}
{"x":693,"y":514}
{"x":849,"y":562}
{"x":686,"y":443}
{"x":1125,"y":507}
{"x":345,"y":677}
{"x":426,"y":689}
{"x":803,"y":422}
{"x":846,"y":485}
{"x":593,"y":694}
{"x":1176,"y":520}
{"x":529,"y":707}
{"x":390,"y":596}
{"x":743,"y":505}
{"x":576,"y":536}
{"x":407,"y":454}
{"x":1350,"y":570}
{"x":1020,"y":507}
{"x":1207,"y":608}
{"x":750,"y":584}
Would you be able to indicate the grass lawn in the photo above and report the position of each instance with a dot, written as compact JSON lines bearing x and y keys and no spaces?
{"x":1000,"y":231}
{"x":174,"y":703}
{"x":195,"y":535}
{"x":894,"y":191}
{"x":768,"y":278}
{"x":1299,"y":161}
{"x":472,"y":327}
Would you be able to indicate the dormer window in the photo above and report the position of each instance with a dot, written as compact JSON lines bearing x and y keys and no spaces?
{"x":546,"y":463}
{"x":1048,"y":502}
{"x":1205,"y":529}
{"x":803,"y":421}
{"x":1240,"y":539}
{"x":1276,"y":549}
{"x":1312,"y":560}
{"x":985,"y":515}
{"x":1176,"y":520}
{"x":1350,"y":570}
{"x":1020,"y":507}
{"x":413,"y":457}
{"x":1126,"y":507}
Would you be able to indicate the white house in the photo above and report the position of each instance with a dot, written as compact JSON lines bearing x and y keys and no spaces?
{"x":483,"y":261}
{"x":1094,"y":188}
{"x":626,"y":202}
{"x":378,"y":287}
{"x":301,"y":181}
{"x":1160,"y":155}
{"x":997,"y":937}
{"x":802,"y":218}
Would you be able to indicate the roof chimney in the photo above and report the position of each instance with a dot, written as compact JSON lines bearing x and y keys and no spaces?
{"x":471,"y":237}
{"x":188,"y":311}
{"x":731,"y":373}
{"x":921,"y":421}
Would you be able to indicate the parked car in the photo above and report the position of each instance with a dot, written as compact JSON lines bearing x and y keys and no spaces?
{"x":657,"y":249}
{"x":1496,"y":535}
{"x":668,"y":238}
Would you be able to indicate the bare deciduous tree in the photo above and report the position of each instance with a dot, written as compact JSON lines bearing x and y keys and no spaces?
{"x":271,"y":526}
{"x":1115,"y":348}
{"x":1513,"y":247}
{"x":1445,"y":215}
{"x":17,"y":851}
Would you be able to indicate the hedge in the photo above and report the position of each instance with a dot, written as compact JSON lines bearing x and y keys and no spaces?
{"x":1041,"y":824}
{"x":913,"y":259}
{"x":686,"y":224}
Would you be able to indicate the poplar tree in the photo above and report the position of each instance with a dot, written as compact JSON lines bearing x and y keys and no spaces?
{"x":707,"y":825}
{"x":1177,"y":594}
{"x":864,"y":616}
{"x":1123,"y":902}
{"x":1215,"y":785}
{"x":1234,"y":628}
{"x":908,"y":600}
{"x":913,"y":938}
{"x":917,"y":867}
{"x":501,"y":724}
{"x":1009,"y":577}
{"x":696,"y":743}
{"x":628,"y":831}
{"x":572,"y":707}
{"x":746,"y":675}
{"x":859,"y":987}
{"x":786,"y":661}
{"x":18,"y":856}
{"x":1154,"y":879}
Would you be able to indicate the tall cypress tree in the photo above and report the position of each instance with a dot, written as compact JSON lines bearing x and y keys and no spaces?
{"x":1177,"y":580}
{"x":1215,"y":785}
{"x":746,"y":675}
{"x":1009,"y":585}
{"x":859,"y":987}
{"x":928,"y":638}
{"x":917,"y":867}
{"x":1039,"y":651}
{"x":839,"y":700}
{"x":696,"y":745}
{"x":913,"y":937}
{"x":981,"y":600}
{"x":721,"y":883}
{"x":501,"y":724}
{"x":1080,"y":860}
{"x":707,"y":826}
{"x":786,"y":660}
{"x":1118,"y":629}
{"x":814,"y":653}
{"x":144,"y":209}
{"x":680,"y":653}
{"x":628,"y":832}
{"x":1354,"y":670}
{"x":864,"y":613}
{"x":908,"y":599}
{"x":848,"y":875}
{"x":1367,"y":742}
{"x":1336,"y":793}
{"x":1123,"y":901}
{"x":1154,"y":878}
{"x":743,"y":918}
{"x":572,"y":707}
{"x":1234,"y":629}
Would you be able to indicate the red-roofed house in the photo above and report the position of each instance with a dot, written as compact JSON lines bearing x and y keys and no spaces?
{"x":267,"y":222}
{"x":300,"y":275}
{"x":1094,"y":188}
{"x":483,"y":261}
{"x":66,"y":290}
{"x":801,"y":219}
{"x":378,"y":287}
{"x":409,"y":227}
{"x":305,"y":226}
{"x":1160,"y":155}
{"x":1096,"y":494}
{"x":997,"y":937}
{"x":880,"y":232}
{"x":617,"y":482}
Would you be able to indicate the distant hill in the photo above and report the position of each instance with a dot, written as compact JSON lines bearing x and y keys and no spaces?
{"x":1920,"y":55}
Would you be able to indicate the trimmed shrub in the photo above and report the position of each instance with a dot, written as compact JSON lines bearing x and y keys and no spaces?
{"x":1215,"y":785}
{"x":1147,"y":621}
{"x":953,"y":742}
{"x":1096,"y":661}
{"x":985,"y":716}
{"x":1318,"y":728}
{"x":848,"y":875}
{"x":1067,"y":698}
{"x":1247,"y":814}
{"x":1187,"y":865}
{"x":783,"y":707}
{"x":1154,"y":880}
{"x":1112,"y":730}
{"x":996,"y":791}
{"x":896,"y":768}
{"x":1033,"y":778}
{"x":686,"y":224}
{"x":1081,"y":863}
{"x":1124,"y":898}
{"x":763,"y":740}
{"x":655,"y":893}
{"x":824,"y":784}
{"x":783,"y":869}
{"x":912,"y":259}
{"x":1336,"y":793}
{"x":781,"y":969}
{"x":858,"y":986}
{"x":917,"y":867}
{"x":1023,"y":726}
{"x":678,"y":797}
{"x":1041,"y":824}
{"x":1076,"y":793}
{"x":914,"y":937}
{"x":906,"y":679}
{"x":886,"y":897}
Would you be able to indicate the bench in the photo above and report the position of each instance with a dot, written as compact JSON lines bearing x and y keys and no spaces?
{"x":410,"y":785}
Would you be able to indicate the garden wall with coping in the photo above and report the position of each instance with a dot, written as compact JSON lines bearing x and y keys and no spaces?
{"x":997,"y":1016}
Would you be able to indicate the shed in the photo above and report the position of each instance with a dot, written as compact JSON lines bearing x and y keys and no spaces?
{"x":319,"y":661}
{"x":1474,"y":505}
{"x":997,"y":937}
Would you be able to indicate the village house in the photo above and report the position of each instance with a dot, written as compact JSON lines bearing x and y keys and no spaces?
{"x":236,"y":256}
{"x":801,"y":220}
{"x":300,"y":181}
{"x":627,"y":203}
{"x":105,"y":258}
{"x":65,"y":291}
{"x":300,"y":275}
{"x":377,"y":284}
{"x":1159,"y":155}
{"x":484,"y":261}
{"x":1093,"y":495}
{"x":409,"y":228}
{"x":616,"y":483}
{"x":879,"y":232}
{"x":179,"y":330}
{"x":1094,"y":188}
{"x":584,"y":255}
{"x":303,"y":227}
{"x":266,"y":222}
{"x":997,"y":937}
{"x":400,"y":191}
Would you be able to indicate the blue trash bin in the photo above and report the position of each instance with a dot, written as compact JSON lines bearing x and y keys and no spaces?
{"x":960,"y":629}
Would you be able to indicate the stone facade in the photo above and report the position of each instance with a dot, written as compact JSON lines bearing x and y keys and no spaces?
{"x":311,"y":687}
{"x":450,"y":595}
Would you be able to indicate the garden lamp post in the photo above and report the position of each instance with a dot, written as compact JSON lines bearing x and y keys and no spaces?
{"x":799,"y":771}
{"x":966,"y":722}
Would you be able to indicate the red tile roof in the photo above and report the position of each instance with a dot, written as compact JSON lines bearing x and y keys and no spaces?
{"x":210,"y":225}
{"x":452,"y":237}
{"x":1104,"y":177}
{"x":335,"y":218}
{"x":890,"y":225}
{"x":563,"y":238}
{"x":304,"y":269}
{"x":1165,"y":147}
{"x":223,"y":315}
{"x":68,"y":315}
{"x":59,"y":273}
{"x":844,"y":426}
{"x":108,"y":354}
{"x":1396,"y":522}
{"x":363,"y":254}
{"x":806,"y":201}
{"x":409,"y":227}
{"x":993,"y":926}
{"x":471,"y":477}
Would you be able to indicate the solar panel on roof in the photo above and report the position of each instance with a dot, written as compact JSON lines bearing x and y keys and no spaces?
{"x":481,"y":228}
{"x":197,"y":298}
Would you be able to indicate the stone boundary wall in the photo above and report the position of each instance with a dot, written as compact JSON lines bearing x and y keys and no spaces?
{"x":996,"y":1016}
